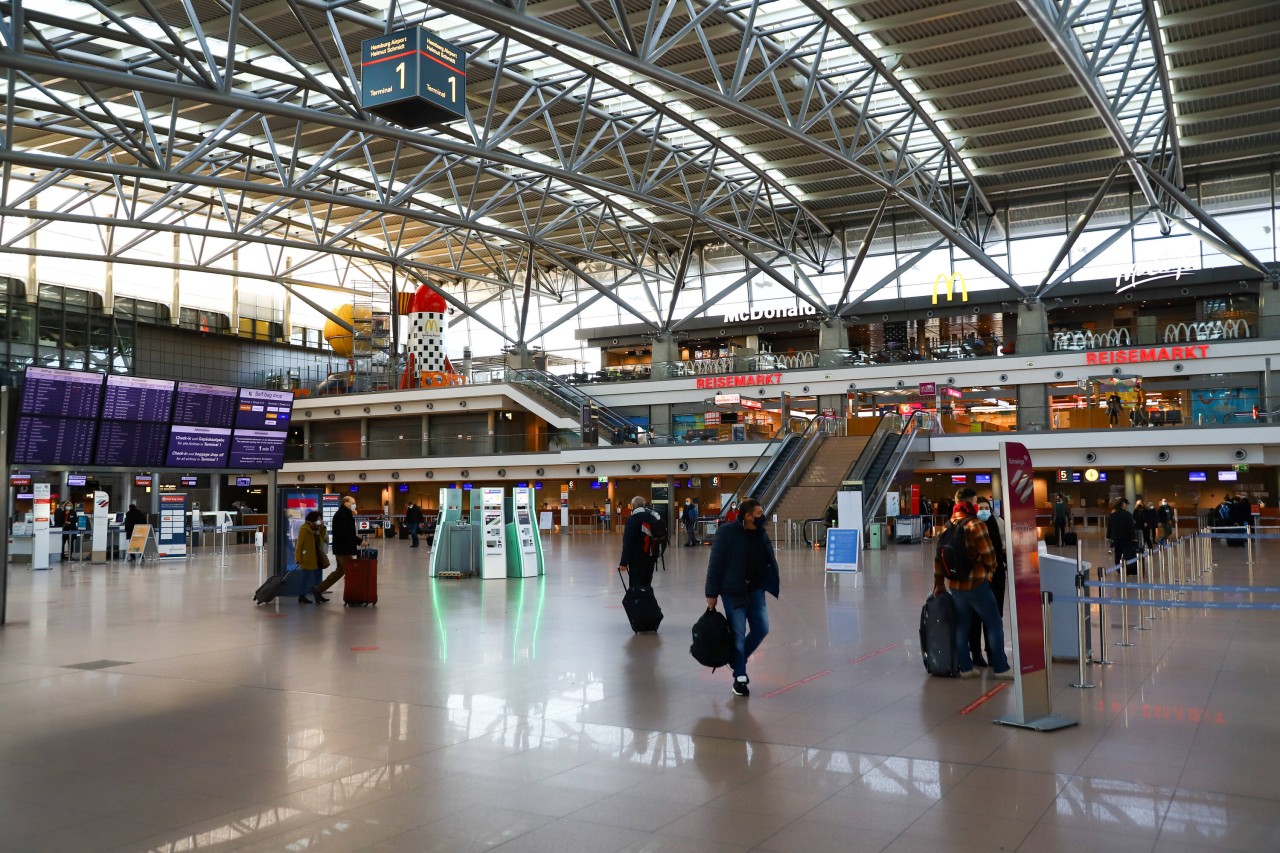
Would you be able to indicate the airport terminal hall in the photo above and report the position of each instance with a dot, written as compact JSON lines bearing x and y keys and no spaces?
{"x":640,"y":426}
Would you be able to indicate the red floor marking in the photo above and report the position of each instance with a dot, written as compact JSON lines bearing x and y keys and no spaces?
{"x":983,"y":699}
{"x":816,"y":675}
{"x":364,"y":648}
{"x":876,"y":652}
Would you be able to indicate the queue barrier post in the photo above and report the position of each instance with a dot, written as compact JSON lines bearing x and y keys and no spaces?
{"x":1082,"y":633}
{"x":1124,"y":608}
{"x":1046,"y":618}
{"x":1146,"y":566}
{"x":1101,"y":658}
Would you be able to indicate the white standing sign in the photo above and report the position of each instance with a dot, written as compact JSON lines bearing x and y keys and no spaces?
{"x":101,"y":514}
{"x":40,"y":527}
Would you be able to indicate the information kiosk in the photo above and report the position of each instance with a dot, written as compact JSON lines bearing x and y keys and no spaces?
{"x":524,"y":546}
{"x":486,"y":507}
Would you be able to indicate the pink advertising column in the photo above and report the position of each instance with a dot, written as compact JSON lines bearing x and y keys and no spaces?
{"x":1026,"y":617}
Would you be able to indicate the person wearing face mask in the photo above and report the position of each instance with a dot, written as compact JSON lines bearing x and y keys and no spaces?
{"x":972,"y":594}
{"x":999,"y":581}
{"x":741,"y":570}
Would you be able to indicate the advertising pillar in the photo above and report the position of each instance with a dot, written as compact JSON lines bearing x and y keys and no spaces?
{"x":39,"y":527}
{"x":101,"y":517}
{"x":1026,"y":616}
{"x":564,"y":509}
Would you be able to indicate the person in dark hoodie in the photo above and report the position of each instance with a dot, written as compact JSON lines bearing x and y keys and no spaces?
{"x":132,"y":519}
{"x":1122,"y":533}
{"x":741,"y":570}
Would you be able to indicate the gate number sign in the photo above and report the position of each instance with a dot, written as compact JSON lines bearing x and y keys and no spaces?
{"x":413,"y":79}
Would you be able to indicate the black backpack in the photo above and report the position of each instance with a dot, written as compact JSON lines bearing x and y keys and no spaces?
{"x":655,"y":535}
{"x":953,"y":552}
{"x":712,"y":640}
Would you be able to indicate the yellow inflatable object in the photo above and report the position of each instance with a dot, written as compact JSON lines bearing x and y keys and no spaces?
{"x":338,"y":337}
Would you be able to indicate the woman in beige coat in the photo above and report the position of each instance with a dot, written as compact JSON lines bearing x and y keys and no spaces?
{"x":309,"y":551}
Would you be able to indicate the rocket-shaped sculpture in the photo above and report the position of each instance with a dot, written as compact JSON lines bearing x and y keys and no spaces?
{"x":428,"y":365}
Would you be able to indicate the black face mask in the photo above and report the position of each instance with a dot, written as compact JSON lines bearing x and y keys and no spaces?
{"x":760,"y":523}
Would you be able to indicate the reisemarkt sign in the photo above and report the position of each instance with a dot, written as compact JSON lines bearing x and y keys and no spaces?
{"x":739,"y":381}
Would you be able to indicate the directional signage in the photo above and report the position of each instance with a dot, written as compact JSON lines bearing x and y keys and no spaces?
{"x":413,"y":79}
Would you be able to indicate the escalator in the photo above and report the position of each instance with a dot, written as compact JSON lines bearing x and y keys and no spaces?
{"x":777,"y":464}
{"x":569,"y":400}
{"x":880,"y":460}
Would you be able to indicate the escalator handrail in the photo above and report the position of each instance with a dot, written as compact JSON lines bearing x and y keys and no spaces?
{"x":810,"y":440}
{"x":914,"y":426}
{"x":858,"y":470}
{"x":769,"y":456}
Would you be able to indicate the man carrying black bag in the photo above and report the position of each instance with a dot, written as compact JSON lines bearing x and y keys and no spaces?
{"x":741,"y":570}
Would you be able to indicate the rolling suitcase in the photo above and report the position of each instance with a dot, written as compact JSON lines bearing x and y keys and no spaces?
{"x":270,"y":589}
{"x":1069,"y":538}
{"x":938,"y":636}
{"x":642,"y":607}
{"x":360,"y":582}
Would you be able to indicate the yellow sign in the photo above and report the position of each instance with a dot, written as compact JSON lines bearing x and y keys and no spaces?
{"x":951,"y":282}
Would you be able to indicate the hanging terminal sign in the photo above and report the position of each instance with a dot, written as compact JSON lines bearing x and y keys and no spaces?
{"x":1137,"y":356}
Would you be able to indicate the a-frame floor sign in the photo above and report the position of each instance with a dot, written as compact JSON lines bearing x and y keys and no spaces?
{"x":143,"y":543}
{"x":1031,"y":660}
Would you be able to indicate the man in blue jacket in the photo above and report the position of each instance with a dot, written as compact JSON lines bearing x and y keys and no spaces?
{"x":741,"y":570}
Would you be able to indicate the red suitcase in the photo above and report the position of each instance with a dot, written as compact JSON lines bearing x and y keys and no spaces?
{"x":360,"y":583}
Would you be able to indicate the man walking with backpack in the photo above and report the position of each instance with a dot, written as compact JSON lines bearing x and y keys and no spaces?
{"x":741,"y":570}
{"x":965,"y":561}
{"x":643,"y":538}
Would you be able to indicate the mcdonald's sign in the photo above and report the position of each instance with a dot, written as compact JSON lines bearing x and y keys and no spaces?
{"x":951,"y":281}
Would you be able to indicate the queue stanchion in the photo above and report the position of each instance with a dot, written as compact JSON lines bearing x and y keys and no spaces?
{"x":1157,"y":569}
{"x":1166,"y":572}
{"x":1046,"y":618}
{"x":1124,"y":607}
{"x":1145,"y":566}
{"x":1101,"y":657}
{"x":1082,"y":634}
{"x":1248,"y":554}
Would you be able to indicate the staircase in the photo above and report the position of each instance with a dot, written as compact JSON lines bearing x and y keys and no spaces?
{"x":816,"y":488}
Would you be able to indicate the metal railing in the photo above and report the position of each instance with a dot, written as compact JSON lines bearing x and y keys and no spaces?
{"x":815,"y":433}
{"x":919,"y":423}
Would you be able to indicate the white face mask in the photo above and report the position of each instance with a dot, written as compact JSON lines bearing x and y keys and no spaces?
{"x":984,"y":514}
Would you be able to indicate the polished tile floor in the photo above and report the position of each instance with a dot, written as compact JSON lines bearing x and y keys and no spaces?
{"x":158,"y":709}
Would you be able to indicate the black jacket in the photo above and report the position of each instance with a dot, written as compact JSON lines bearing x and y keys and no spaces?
{"x":345,"y":541}
{"x":633,"y":539}
{"x":727,"y":568}
{"x":413,"y":516}
{"x":997,"y":542}
{"x":132,"y":519}
{"x":1120,"y":527}
{"x":1164,"y":514}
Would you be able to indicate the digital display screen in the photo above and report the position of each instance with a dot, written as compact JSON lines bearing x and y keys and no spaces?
{"x":130,"y":398}
{"x":1227,"y":476}
{"x":189,"y":481}
{"x":244,"y":481}
{"x":61,"y":393}
{"x":982,"y":478}
{"x":260,"y":409}
{"x":20,"y":480}
{"x":1197,"y":477}
{"x":54,"y":441}
{"x":404,"y":487}
{"x":205,"y":405}
{"x":257,"y":448}
{"x":959,"y":479}
{"x":131,"y":443}
{"x":142,"y":481}
{"x":198,"y":447}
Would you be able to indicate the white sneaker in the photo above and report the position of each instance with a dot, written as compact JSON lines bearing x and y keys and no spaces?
{"x":1007,"y":675}
{"x":968,"y":673}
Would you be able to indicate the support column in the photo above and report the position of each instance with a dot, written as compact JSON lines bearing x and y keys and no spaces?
{"x":518,"y":358}
{"x":1033,"y":328}
{"x":426,"y":435}
{"x":307,"y":450}
{"x":1131,"y":484}
{"x":235,"y":293}
{"x":660,"y":419}
{"x":1269,"y":310}
{"x":491,"y":418}
{"x":665,"y":353}
{"x":175,"y":302}
{"x":364,"y":438}
{"x":33,"y":270}
{"x":833,"y":338}
{"x":215,"y":493}
{"x":109,"y":278}
{"x":1033,"y":408}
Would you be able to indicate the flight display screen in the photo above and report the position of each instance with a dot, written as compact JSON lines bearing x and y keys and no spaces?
{"x":198,"y":447}
{"x":54,"y":441}
{"x":61,"y":393}
{"x":259,"y":409}
{"x":132,"y":398}
{"x":257,"y":448}
{"x":205,"y":405}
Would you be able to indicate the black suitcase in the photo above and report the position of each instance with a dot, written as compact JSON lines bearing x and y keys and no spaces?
{"x":270,"y":588}
{"x":1069,"y":538}
{"x":642,"y":607}
{"x":938,"y":636}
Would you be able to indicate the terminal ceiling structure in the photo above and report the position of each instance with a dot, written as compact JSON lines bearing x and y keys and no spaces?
{"x":608,"y":144}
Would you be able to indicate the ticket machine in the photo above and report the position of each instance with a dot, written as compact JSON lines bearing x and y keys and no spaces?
{"x":489,"y":523}
{"x":524,"y":546}
{"x":453,"y":554}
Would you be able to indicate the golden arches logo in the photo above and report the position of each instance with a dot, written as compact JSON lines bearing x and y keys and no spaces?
{"x":951,"y":281}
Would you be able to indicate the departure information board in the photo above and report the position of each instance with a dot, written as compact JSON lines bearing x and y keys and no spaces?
{"x":260,"y":409}
{"x":198,"y":447}
{"x":205,"y":405}
{"x":54,"y":441}
{"x":61,"y":393}
{"x":257,"y":448}
{"x":132,"y":398}
{"x":131,"y":443}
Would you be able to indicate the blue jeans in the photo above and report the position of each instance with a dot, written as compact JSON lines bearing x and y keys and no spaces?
{"x":753,"y":614}
{"x":979,"y":601}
